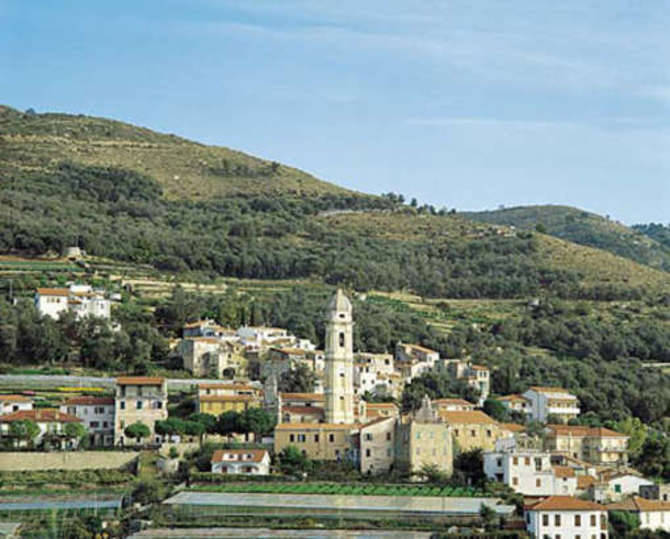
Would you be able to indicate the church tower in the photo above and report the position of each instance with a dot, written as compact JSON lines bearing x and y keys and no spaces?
{"x":339,"y":382}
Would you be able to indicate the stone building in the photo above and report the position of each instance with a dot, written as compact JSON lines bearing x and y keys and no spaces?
{"x":139,"y":399}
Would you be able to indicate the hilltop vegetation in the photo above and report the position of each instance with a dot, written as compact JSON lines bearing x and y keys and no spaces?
{"x":129,"y":194}
{"x":638,"y":243}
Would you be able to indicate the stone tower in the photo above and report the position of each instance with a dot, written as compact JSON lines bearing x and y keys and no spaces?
{"x":339,"y":382}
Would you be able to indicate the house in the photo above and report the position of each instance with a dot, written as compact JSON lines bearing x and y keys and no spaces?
{"x":80,"y":299}
{"x":281,"y":360}
{"x":423,"y":438}
{"x":241,"y":461}
{"x":473,"y":430}
{"x":528,"y":471}
{"x":318,"y":441}
{"x":371,"y":372}
{"x":515,"y":403}
{"x":97,"y":414}
{"x":411,"y":360}
{"x":551,"y":402}
{"x":453,"y":405}
{"x":303,"y":399}
{"x":619,"y":484}
{"x":207,"y":356}
{"x":139,"y":399}
{"x":653,"y":514}
{"x":375,"y":410}
{"x":566,"y":517}
{"x":229,"y":388}
{"x":51,"y":423}
{"x":219,"y":404}
{"x":655,"y":492}
{"x":596,"y":445}
{"x":476,"y":376}
{"x":302,"y":414}
{"x":209,"y":328}
{"x":14,"y":403}
{"x":377,"y":441}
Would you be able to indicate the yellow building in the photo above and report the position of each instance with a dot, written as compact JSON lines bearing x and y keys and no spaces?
{"x":317,"y":441}
{"x":218,"y":404}
{"x":595,"y":445}
{"x":474,"y":429}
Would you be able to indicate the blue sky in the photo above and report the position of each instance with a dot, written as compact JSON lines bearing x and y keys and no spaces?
{"x":466,"y":104}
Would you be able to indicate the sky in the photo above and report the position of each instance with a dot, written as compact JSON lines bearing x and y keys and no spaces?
{"x":465,"y":104}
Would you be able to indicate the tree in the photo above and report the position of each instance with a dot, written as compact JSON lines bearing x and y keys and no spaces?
{"x":208,"y":422}
{"x":25,"y":430}
{"x":76,"y":431}
{"x":292,"y":461}
{"x":298,"y":380}
{"x":496,"y":410}
{"x":137,"y":430}
{"x":432,"y":474}
{"x":256,"y":421}
{"x":470,"y":465}
{"x":228,"y":423}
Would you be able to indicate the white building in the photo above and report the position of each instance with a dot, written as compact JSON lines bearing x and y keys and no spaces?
{"x":97,"y":414}
{"x":371,"y":373}
{"x":566,"y":517}
{"x":653,"y":514}
{"x":515,"y":403}
{"x":241,"y":461}
{"x":14,"y":403}
{"x":618,"y":485}
{"x":529,"y":472}
{"x":554,"y":401}
{"x":80,"y":299}
{"x":50,"y":422}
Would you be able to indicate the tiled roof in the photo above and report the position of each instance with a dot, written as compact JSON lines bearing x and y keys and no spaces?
{"x":303,"y":396}
{"x":585,"y":481}
{"x":220,"y":455}
{"x":479,"y":368}
{"x":90,"y":401}
{"x":290,"y":351}
{"x":225,"y":398}
{"x":541,"y":389}
{"x":583,"y":431}
{"x":565,"y":503}
{"x":511,"y":398}
{"x":304,"y":410}
{"x":420,"y":348}
{"x":14,"y":398}
{"x":318,"y":426}
{"x":513,"y":427}
{"x":378,"y":420}
{"x":140,"y":380}
{"x":53,"y":291}
{"x":638,"y":504}
{"x":232,"y":386}
{"x":43,"y":415}
{"x":208,"y":340}
{"x":452,"y":401}
{"x":563,"y":471}
{"x":373,"y":405}
{"x":467,"y":417}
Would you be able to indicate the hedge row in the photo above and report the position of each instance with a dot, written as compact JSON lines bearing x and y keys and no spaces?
{"x":68,"y":477}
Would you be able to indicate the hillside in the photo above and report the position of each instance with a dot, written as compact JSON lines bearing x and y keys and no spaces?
{"x":38,"y":143}
{"x":138,"y":197}
{"x":584,"y":228}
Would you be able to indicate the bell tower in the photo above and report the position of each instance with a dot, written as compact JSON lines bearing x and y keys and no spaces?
{"x":339,"y":382}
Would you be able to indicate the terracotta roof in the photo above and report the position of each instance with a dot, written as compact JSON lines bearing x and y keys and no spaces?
{"x":420,"y":348}
{"x":452,"y":401}
{"x":225,"y":398}
{"x":90,"y":401}
{"x":563,"y":471}
{"x":479,"y":368}
{"x":466,"y":417}
{"x":372,"y":405}
{"x":53,"y":291}
{"x":511,"y":398}
{"x":513,"y":427}
{"x":541,"y":389}
{"x":140,"y":380}
{"x":318,"y":426}
{"x":565,"y":503}
{"x":303,"y":396}
{"x":583,"y":431}
{"x":14,"y":398}
{"x":197,"y":324}
{"x":208,"y":340}
{"x":232,"y":386}
{"x":306,"y":410}
{"x":585,"y":481}
{"x":378,"y":420}
{"x":290,"y":351}
{"x":43,"y":415}
{"x":257,"y":455}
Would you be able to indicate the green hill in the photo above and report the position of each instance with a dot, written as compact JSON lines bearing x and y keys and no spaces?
{"x":139,"y":197}
{"x":584,"y":228}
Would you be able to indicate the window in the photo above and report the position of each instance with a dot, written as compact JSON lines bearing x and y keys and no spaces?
{"x":99,"y":410}
{"x":341,"y":339}
{"x":515,"y":461}
{"x":557,"y":520}
{"x":499,"y":463}
{"x":368,"y":436}
{"x":291,"y":437}
{"x":455,"y":432}
{"x":526,"y":461}
{"x":159,"y":404}
{"x":545,"y":520}
{"x":388,"y":436}
{"x":139,"y":405}
{"x":578,"y":520}
{"x":122,"y":405}
{"x":515,"y":481}
{"x":367,"y":452}
{"x":593,"y":520}
{"x":418,"y":435}
{"x":488,"y":433}
{"x":94,"y":424}
{"x":473,"y":433}
{"x":301,"y":438}
{"x":617,"y":488}
{"x":538,"y":482}
{"x":316,"y":438}
{"x":331,"y":437}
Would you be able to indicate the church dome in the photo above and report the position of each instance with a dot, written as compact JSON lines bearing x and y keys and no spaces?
{"x":339,"y":303}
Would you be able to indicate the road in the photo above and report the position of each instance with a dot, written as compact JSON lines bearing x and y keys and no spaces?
{"x":50,"y":381}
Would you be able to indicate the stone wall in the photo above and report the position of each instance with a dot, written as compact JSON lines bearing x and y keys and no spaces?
{"x":66,"y":460}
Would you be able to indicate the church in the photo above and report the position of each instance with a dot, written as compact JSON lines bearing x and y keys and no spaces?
{"x":338,"y":425}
